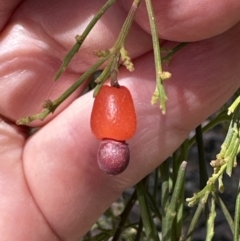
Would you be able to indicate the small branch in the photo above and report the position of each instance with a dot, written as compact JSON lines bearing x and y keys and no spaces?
{"x":237,"y":216}
{"x":194,"y":221}
{"x":149,"y":226}
{"x":127,"y":24}
{"x":113,"y":56}
{"x":54,"y":104}
{"x":118,"y":52}
{"x":159,"y":93}
{"x":80,"y":38}
{"x":173,"y":51}
{"x":210,"y":222}
{"x":171,"y":211}
{"x":165,"y":193}
{"x":225,"y":211}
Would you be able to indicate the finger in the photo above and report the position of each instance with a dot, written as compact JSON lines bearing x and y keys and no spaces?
{"x":189,"y":20}
{"x":20,"y":217}
{"x":60,"y":160}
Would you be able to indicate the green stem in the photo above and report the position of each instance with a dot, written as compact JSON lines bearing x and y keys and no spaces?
{"x":150,"y":228}
{"x":172,"y":207}
{"x":173,"y":51}
{"x":116,"y":52}
{"x":126,"y":26}
{"x":219,"y":119}
{"x":234,"y":105}
{"x":159,"y":91}
{"x":237,"y":216}
{"x":80,"y":39}
{"x":225,"y":211}
{"x":210,"y":221}
{"x":194,"y":221}
{"x":178,"y":221}
{"x":154,"y":205}
{"x":113,"y":55}
{"x":155,"y":39}
{"x":164,"y":172}
{"x":177,"y":161}
{"x":54,"y":104}
{"x":73,"y":87}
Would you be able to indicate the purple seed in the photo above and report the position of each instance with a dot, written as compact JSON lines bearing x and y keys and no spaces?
{"x":113,"y":156}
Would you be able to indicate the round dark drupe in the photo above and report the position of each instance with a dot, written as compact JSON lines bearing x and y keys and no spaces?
{"x":113,"y":156}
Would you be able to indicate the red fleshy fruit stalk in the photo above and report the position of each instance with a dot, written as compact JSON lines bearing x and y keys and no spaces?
{"x":113,"y":120}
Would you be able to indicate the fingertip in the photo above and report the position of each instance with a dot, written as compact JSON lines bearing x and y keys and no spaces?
{"x":189,"y":21}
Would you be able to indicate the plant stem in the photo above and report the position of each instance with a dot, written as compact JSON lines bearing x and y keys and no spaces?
{"x":113,"y":55}
{"x":54,"y":104}
{"x":164,"y":172}
{"x":177,"y":161}
{"x":237,"y":216}
{"x":194,"y":221}
{"x":225,"y":211}
{"x":171,"y":209}
{"x":173,"y":51}
{"x":153,"y":205}
{"x":127,"y":25}
{"x":234,"y":105}
{"x":159,"y":91}
{"x":210,"y":221}
{"x":80,"y":38}
{"x":219,"y":119}
{"x":150,"y":228}
{"x":120,"y":42}
{"x":117,"y":50}
{"x":156,"y":45}
{"x":201,"y":158}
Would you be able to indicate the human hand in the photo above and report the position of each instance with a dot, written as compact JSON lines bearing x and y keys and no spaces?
{"x":51,"y":186}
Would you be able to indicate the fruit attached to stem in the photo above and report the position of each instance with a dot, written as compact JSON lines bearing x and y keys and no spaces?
{"x":113,"y":120}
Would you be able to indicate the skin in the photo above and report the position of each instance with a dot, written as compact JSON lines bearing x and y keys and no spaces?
{"x":51,"y":186}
